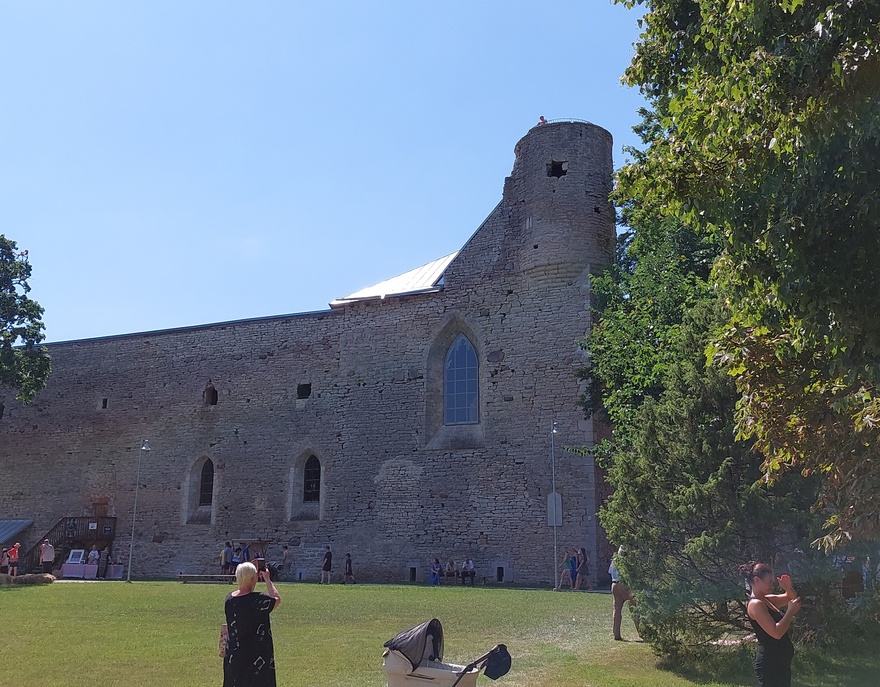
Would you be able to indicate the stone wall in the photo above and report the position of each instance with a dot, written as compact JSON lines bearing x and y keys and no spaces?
{"x":398,"y":487}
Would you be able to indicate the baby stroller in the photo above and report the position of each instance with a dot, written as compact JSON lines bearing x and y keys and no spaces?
{"x":415,"y":657}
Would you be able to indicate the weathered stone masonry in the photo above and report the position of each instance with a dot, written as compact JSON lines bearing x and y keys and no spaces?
{"x":397,"y":486}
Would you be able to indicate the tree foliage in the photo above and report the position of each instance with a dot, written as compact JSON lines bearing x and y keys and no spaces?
{"x":763,"y":137}
{"x":686,"y":501}
{"x":24,"y":364}
{"x":657,"y":275}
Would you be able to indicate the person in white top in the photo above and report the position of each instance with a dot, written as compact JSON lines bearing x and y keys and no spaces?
{"x":94,"y":556}
{"x":47,"y":556}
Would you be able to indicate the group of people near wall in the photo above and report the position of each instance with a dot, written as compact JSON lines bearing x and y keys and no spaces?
{"x":327,"y":567}
{"x":465,"y":572}
{"x":11,"y":557}
{"x":231,"y":558}
{"x":574,"y":569}
{"x":101,"y":559}
{"x":9,"y":560}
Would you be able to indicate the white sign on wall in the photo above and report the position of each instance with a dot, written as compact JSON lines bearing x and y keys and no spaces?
{"x":554,"y":509}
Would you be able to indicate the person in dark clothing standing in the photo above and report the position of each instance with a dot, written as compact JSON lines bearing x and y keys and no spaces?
{"x":228,"y":568}
{"x":249,"y":659}
{"x":771,"y":623}
{"x":103,"y":562}
{"x":326,"y":565}
{"x":347,"y":572}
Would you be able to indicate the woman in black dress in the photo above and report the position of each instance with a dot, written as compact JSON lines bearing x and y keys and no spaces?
{"x":771,"y":623}
{"x":250,"y":657}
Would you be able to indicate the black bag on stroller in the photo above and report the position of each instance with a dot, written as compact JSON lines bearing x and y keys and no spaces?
{"x":422,"y":646}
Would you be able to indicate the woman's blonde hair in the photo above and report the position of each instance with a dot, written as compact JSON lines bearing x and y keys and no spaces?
{"x":245,"y":574}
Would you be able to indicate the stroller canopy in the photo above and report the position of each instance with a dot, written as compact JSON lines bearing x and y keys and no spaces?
{"x":419,"y":642}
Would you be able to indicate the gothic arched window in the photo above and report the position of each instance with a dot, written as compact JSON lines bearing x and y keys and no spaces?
{"x":206,"y":484}
{"x":312,"y":480}
{"x":461,"y":393}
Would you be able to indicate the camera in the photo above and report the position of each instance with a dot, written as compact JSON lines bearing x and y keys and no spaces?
{"x":260,"y":563}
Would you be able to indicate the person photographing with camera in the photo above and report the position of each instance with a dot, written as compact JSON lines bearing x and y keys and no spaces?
{"x":771,"y":623}
{"x":249,"y":659}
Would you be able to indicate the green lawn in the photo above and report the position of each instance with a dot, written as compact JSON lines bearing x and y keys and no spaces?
{"x":165,"y":633}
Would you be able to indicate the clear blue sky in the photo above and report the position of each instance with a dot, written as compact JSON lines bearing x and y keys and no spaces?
{"x":172,"y":163}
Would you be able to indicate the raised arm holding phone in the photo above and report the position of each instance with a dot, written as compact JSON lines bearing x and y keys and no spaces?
{"x":771,"y":623}
{"x":250,"y":654}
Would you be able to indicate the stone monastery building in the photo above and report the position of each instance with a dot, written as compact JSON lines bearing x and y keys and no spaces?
{"x":410,"y":420}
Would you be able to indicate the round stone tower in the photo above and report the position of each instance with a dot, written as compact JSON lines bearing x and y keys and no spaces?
{"x":558,"y":191}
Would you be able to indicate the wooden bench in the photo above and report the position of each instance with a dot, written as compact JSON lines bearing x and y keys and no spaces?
{"x":217,"y":579}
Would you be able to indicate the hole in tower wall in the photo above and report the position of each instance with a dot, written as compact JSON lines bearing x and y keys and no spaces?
{"x":303,"y":390}
{"x":210,"y":395}
{"x":104,"y":402}
{"x":557,"y":168}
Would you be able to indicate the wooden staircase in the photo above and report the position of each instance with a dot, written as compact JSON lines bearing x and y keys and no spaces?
{"x":81,"y":532}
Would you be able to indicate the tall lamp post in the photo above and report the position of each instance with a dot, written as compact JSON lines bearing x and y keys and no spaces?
{"x":144,"y":448}
{"x":554,"y":505}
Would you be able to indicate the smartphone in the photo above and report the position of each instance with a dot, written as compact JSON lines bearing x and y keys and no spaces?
{"x":261,"y":564}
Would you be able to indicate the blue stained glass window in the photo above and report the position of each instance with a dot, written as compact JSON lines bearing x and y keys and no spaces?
{"x":461,"y":393}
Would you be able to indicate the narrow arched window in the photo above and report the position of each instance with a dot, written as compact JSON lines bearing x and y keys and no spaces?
{"x":206,"y":484}
{"x":312,"y":480}
{"x":460,"y":384}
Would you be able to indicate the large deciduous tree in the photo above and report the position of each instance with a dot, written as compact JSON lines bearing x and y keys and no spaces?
{"x":24,"y":364}
{"x":687,"y":499}
{"x":765,"y":139}
{"x":686,"y":502}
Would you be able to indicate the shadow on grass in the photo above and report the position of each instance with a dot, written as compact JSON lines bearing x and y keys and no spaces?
{"x":732,"y":665}
{"x":856,"y":664}
{"x":852,"y":665}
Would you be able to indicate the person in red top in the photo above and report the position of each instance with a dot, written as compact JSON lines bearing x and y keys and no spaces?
{"x":13,"y":559}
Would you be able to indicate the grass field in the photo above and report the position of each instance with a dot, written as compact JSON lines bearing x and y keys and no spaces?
{"x":165,"y":633}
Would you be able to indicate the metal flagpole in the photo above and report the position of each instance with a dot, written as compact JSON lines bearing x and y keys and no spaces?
{"x":553,"y":499}
{"x":144,"y":448}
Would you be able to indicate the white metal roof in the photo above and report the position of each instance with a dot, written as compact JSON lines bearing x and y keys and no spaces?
{"x":422,"y":279}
